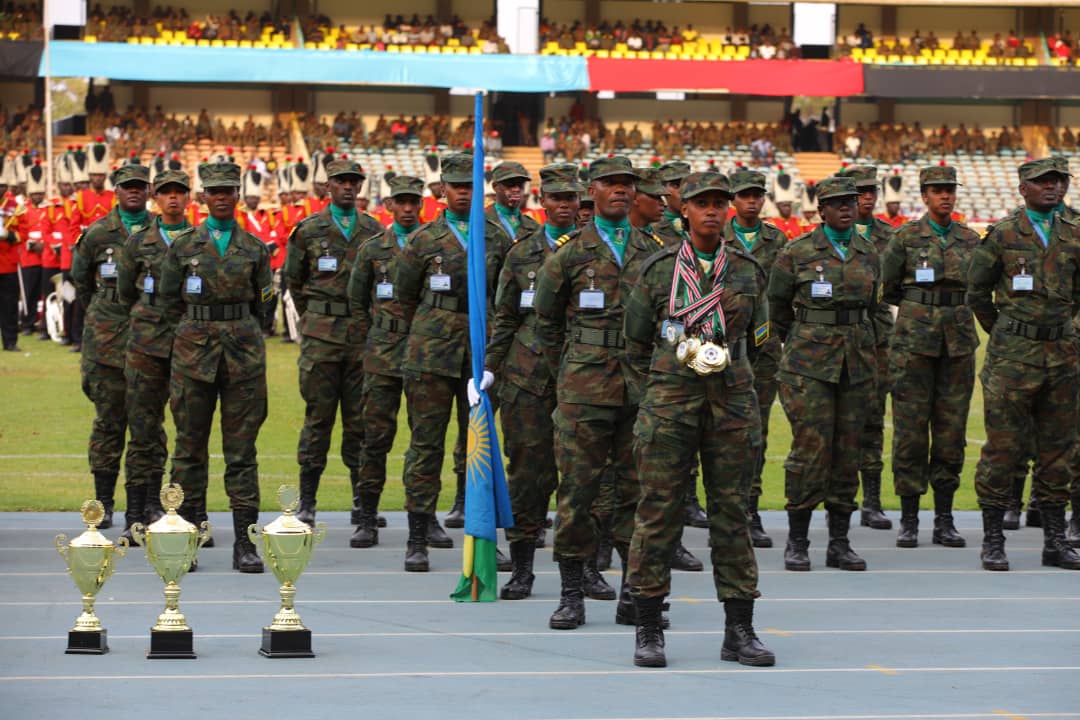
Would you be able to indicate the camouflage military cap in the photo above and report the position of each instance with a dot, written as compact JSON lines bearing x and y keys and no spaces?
{"x":131,"y":173}
{"x":559,"y":177}
{"x":1037,"y":168}
{"x":219,"y":175}
{"x":611,"y":166}
{"x":699,"y":183}
{"x":457,"y":168}
{"x":1062,"y":164}
{"x":509,"y":170}
{"x":937,"y":175}
{"x":747,"y":180}
{"x":406,"y":185}
{"x":340,"y":167}
{"x":834,"y":186}
{"x":674,"y":171}
{"x":864,"y":176}
{"x":586,"y":199}
{"x":648,"y":181}
{"x":172,"y":177}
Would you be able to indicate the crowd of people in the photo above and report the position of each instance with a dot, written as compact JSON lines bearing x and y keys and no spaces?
{"x":1003,"y":45}
{"x":21,"y":21}
{"x":896,"y":143}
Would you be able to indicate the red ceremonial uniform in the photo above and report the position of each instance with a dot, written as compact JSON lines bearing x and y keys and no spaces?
{"x":791,"y":227}
{"x":9,"y":246}
{"x":60,"y":216}
{"x":314,"y":205}
{"x":383,"y":216}
{"x":194,"y":213}
{"x":263,"y":225}
{"x":91,"y":206}
{"x":894,"y":221}
{"x":291,"y":215}
{"x":431,"y":208}
{"x":537,"y":214}
{"x":33,"y":228}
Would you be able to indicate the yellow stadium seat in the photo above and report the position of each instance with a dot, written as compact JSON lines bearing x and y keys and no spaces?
{"x":407,"y":49}
{"x":203,"y":43}
{"x":744,"y":51}
{"x":180,"y":35}
{"x":392,"y":48}
{"x":259,"y":44}
{"x":189,"y":43}
{"x":939,"y":53}
{"x":603,"y":54}
{"x":161,"y":41}
{"x":130,"y":40}
{"x":365,"y":46}
{"x":966,"y":54}
{"x":617,"y":54}
{"x":420,"y":48}
{"x":656,"y":55}
{"x":621,"y":47}
{"x":352,"y":46}
{"x":166,"y":34}
{"x":922,"y":60}
{"x":580,"y":46}
{"x":1032,"y":62}
{"x":158,"y":26}
{"x":231,"y":44}
{"x":453,"y":42}
{"x":671,"y":56}
{"x":90,"y":38}
{"x":857,"y":53}
{"x":461,"y":50}
{"x":894,"y":58}
{"x":245,"y":43}
{"x":217,"y":43}
{"x":146,"y":41}
{"x":700,"y":56}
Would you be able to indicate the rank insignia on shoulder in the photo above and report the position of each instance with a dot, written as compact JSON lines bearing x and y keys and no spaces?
{"x":267,"y":293}
{"x":761,"y":334}
{"x":659,"y":241}
{"x":562,"y":241}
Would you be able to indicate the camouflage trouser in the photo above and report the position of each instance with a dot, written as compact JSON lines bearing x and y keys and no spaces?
{"x":107,"y":389}
{"x":604,"y":504}
{"x":1019,"y":400}
{"x":872,"y":437}
{"x":147,"y":395}
{"x":382,"y":400}
{"x":664,"y":458}
{"x":324,"y":385}
{"x":930,"y":401}
{"x":765,"y":388}
{"x":587,"y":437}
{"x":826,"y":422}
{"x":529,"y":443}
{"x":429,"y":400}
{"x":243,"y":410}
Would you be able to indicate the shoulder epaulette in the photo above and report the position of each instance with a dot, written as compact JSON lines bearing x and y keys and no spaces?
{"x":1067,"y":220}
{"x":658,"y":240}
{"x":567,"y":238}
{"x":657,"y":256}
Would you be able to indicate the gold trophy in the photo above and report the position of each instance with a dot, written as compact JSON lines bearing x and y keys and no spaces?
{"x":171,"y":545}
{"x":91,"y":559}
{"x":287,"y":544}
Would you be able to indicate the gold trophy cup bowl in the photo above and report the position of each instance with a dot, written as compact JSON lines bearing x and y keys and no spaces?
{"x":172,"y":544}
{"x":288,"y":544}
{"x":91,"y":559}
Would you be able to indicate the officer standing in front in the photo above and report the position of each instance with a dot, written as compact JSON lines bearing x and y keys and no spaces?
{"x":321,"y":253}
{"x":1024,"y":287}
{"x":823,"y":289}
{"x":215,"y":281}
{"x":94,"y":270}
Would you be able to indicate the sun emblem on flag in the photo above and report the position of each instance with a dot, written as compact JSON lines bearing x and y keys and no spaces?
{"x":478,"y":447}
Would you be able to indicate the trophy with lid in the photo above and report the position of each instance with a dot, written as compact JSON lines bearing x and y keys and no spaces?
{"x":91,"y":559}
{"x":287,"y":543}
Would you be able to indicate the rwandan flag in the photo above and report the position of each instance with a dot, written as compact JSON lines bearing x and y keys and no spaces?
{"x":487,"y":500}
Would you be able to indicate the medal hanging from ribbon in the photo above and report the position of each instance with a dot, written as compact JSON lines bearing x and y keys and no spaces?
{"x":701,"y":314}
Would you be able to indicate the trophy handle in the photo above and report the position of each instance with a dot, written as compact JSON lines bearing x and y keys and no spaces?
{"x":320,"y":532}
{"x":122,"y":546}
{"x":61,"y":546}
{"x":138,"y":533}
{"x":253,"y":533}
{"x":204,"y":532}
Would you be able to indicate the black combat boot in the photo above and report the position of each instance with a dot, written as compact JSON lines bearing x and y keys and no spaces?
{"x":436,"y":536}
{"x":871,"y":515}
{"x":741,"y":643}
{"x":104,"y":489}
{"x":136,"y":509}
{"x":993,"y":546}
{"x":604,"y":547}
{"x":649,"y":637}
{"x":456,"y":517}
{"x":309,"y":487}
{"x":693,"y":514}
{"x":416,"y":557}
{"x":594,"y":584}
{"x":908,"y":537}
{"x":1073,"y":531}
{"x":367,"y":532}
{"x":354,"y":480}
{"x":540,"y":541}
{"x":520,"y":585}
{"x":571,"y":611}
{"x":244,"y":556}
{"x":1056,"y":551}
{"x":1034,"y":516}
{"x":683,"y":559}
{"x":502,"y":563}
{"x":797,"y":550}
{"x":758,"y":537}
{"x":1016,"y":506}
{"x":625,"y":611}
{"x":944,"y":529}
{"x":152,"y":510}
{"x":839,"y":553}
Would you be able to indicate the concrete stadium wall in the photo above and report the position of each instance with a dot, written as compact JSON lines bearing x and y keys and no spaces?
{"x":14,"y":95}
{"x":946,"y":21}
{"x":707,"y":18}
{"x":645,"y":111}
{"x":372,"y":12}
{"x":986,"y":116}
{"x":848,"y":18}
{"x":1069,"y":115}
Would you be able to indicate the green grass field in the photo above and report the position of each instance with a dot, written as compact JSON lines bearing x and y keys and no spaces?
{"x":45,"y":423}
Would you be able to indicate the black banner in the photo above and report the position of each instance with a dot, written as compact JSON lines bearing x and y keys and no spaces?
{"x":20,"y":59}
{"x":970,"y":82}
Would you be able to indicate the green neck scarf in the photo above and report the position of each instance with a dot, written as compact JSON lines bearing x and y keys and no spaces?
{"x":1043,"y":221}
{"x":747,"y":236}
{"x":343,"y":218}
{"x":839,"y":238}
{"x":672,"y":216}
{"x":941,"y":230}
{"x":169,"y":232}
{"x":617,"y":233}
{"x":133,"y":220}
{"x":401,"y":233}
{"x":220,"y":232}
{"x":459,"y":223}
{"x":553,"y":233}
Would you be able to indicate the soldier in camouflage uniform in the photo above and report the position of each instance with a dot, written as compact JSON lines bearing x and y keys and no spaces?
{"x":431,"y":284}
{"x":932,"y":358}
{"x":823,"y":289}
{"x":763,"y":241}
{"x":871,"y":443}
{"x":94,"y":269}
{"x":579,"y":302}
{"x":1024,"y":286}
{"x":215,"y":281}
{"x":711,"y":291}
{"x":373,"y":299}
{"x":146,"y":366}
{"x":322,"y":249}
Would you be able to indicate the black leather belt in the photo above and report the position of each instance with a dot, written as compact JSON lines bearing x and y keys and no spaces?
{"x":391,"y":324}
{"x":443,"y":302}
{"x":109,"y":293}
{"x":323,"y":307}
{"x":1034,"y":332}
{"x":934,"y":297}
{"x":237,"y":311}
{"x":598,"y":337}
{"x":853,"y":316}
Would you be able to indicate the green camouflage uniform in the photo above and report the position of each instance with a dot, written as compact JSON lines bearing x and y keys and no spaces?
{"x":514,"y":226}
{"x":219,"y":353}
{"x":826,"y":372}
{"x":683,"y":414}
{"x":671,"y":227}
{"x":932,"y":357}
{"x":331,"y":362}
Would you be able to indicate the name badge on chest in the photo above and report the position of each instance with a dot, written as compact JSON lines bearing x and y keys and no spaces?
{"x":821,"y":289}
{"x":148,"y":285}
{"x":107,"y":270}
{"x":327,"y":263}
{"x":591,"y":300}
{"x":1023,"y":282}
{"x":193,"y":285}
{"x":384,"y":291}
{"x":924,"y":275}
{"x":527,"y":299}
{"x":439,"y":282}
{"x":673,"y":332}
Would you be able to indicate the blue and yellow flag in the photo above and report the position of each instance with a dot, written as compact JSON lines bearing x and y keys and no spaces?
{"x":487,"y":499}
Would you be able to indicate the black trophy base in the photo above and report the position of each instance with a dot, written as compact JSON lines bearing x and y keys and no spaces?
{"x":87,"y":643}
{"x":175,"y":645}
{"x":286,"y":644}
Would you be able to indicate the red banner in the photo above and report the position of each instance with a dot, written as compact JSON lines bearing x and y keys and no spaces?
{"x":745,"y":77}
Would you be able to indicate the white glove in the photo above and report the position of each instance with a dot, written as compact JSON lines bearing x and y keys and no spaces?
{"x":485,"y":382}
